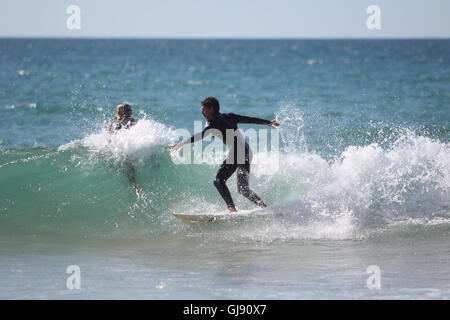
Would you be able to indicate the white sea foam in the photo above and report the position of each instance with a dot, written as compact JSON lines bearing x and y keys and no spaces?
{"x":139,"y":143}
{"x":364,"y":189}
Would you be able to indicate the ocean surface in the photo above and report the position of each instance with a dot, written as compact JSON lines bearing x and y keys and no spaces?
{"x":360,"y":178}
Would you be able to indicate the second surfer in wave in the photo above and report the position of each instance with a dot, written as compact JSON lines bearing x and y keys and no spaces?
{"x":123,"y":120}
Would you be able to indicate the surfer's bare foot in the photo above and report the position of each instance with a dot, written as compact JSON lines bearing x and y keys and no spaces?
{"x":232,"y":209}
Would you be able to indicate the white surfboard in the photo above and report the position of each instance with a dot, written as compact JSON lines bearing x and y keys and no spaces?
{"x":222,"y":216}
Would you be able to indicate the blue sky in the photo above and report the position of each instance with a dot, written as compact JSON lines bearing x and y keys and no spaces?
{"x":225,"y":18}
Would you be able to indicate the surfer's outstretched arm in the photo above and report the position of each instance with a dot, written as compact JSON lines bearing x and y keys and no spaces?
{"x":244,"y":119}
{"x":194,"y":138}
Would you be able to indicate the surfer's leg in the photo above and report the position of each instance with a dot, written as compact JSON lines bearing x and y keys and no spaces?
{"x":243,"y":174}
{"x":130,"y":172}
{"x":131,"y":175}
{"x":225,"y":172}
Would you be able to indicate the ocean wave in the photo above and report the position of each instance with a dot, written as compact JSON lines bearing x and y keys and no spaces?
{"x":81,"y":188}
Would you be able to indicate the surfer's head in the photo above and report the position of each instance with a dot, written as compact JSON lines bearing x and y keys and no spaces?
{"x":210,"y":107}
{"x":123,"y":112}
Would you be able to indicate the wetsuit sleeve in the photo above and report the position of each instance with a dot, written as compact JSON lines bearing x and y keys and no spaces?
{"x":243,"y":119}
{"x":201,"y":135}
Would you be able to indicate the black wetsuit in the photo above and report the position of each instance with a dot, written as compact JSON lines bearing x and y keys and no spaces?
{"x":239,"y":157}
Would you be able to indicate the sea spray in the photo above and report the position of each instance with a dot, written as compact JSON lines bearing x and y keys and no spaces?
{"x":404,"y":178}
{"x":146,"y":138}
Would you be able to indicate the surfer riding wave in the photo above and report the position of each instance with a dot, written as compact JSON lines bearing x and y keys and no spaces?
{"x":224,"y":126}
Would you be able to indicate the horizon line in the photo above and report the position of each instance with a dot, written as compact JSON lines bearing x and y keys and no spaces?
{"x":221,"y":38}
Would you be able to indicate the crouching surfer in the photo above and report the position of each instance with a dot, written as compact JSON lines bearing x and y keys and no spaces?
{"x":123,"y":120}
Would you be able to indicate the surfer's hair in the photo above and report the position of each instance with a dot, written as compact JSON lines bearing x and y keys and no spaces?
{"x":211,"y":102}
{"x":123,"y":112}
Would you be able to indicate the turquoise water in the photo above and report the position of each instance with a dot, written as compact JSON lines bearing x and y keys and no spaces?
{"x":361,"y":176}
